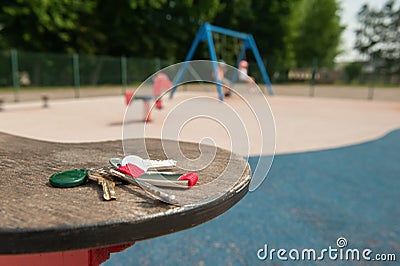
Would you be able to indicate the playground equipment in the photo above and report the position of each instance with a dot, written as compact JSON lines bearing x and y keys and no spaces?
{"x":161,"y":82}
{"x":129,"y":97}
{"x":45,"y":100}
{"x":205,"y":34}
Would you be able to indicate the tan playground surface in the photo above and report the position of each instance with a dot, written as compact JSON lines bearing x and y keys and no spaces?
{"x":302,"y":123}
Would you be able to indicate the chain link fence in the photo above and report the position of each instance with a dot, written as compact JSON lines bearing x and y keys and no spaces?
{"x":23,"y":72}
{"x":26,"y":76}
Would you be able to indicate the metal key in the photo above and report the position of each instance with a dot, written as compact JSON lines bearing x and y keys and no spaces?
{"x":156,"y":166}
{"x":147,"y":164}
{"x":107,"y":185}
{"x":163,"y":179}
{"x":153,"y":191}
{"x":160,"y":164}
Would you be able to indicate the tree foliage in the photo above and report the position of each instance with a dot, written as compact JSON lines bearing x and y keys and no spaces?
{"x":46,"y":25}
{"x":378,"y":36}
{"x":268,"y":21}
{"x":285,"y":30}
{"x":131,"y":27}
{"x":317,"y":32}
{"x":151,"y":28}
{"x":353,"y":71}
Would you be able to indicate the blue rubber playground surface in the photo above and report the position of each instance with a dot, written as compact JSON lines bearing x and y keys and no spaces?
{"x":308,"y":201}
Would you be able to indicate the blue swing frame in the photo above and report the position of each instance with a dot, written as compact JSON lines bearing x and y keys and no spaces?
{"x":205,"y":34}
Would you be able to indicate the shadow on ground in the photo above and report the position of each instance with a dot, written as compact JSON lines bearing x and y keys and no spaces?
{"x":309,"y":200}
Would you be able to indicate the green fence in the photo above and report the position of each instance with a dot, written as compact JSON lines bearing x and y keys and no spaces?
{"x":20,"y":69}
{"x":21,"y":73}
{"x":5,"y":69}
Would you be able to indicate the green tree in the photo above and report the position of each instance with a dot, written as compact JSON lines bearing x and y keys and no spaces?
{"x":45,"y":25}
{"x":130,"y":27}
{"x":166,"y":28}
{"x":317,"y":33}
{"x":378,"y":37}
{"x":270,"y":24}
{"x":157,"y":28}
{"x":272,"y":30}
{"x":353,"y":71}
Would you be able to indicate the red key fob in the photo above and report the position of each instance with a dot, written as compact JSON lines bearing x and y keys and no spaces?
{"x":131,"y":169}
{"x":191,"y":177}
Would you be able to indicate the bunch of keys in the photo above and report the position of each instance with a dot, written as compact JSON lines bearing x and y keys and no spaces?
{"x":154,"y":172}
{"x":135,"y":173}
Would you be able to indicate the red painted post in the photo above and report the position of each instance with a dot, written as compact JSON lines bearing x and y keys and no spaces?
{"x":82,"y":257}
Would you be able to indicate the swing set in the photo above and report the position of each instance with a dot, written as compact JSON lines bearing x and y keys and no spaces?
{"x":205,"y":33}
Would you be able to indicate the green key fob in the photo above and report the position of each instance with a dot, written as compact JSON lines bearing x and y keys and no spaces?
{"x":69,"y":178}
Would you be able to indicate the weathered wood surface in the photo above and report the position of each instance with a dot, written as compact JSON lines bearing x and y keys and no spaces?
{"x":35,"y":217}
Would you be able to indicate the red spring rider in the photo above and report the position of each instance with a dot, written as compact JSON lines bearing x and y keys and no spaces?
{"x":161,"y":82}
